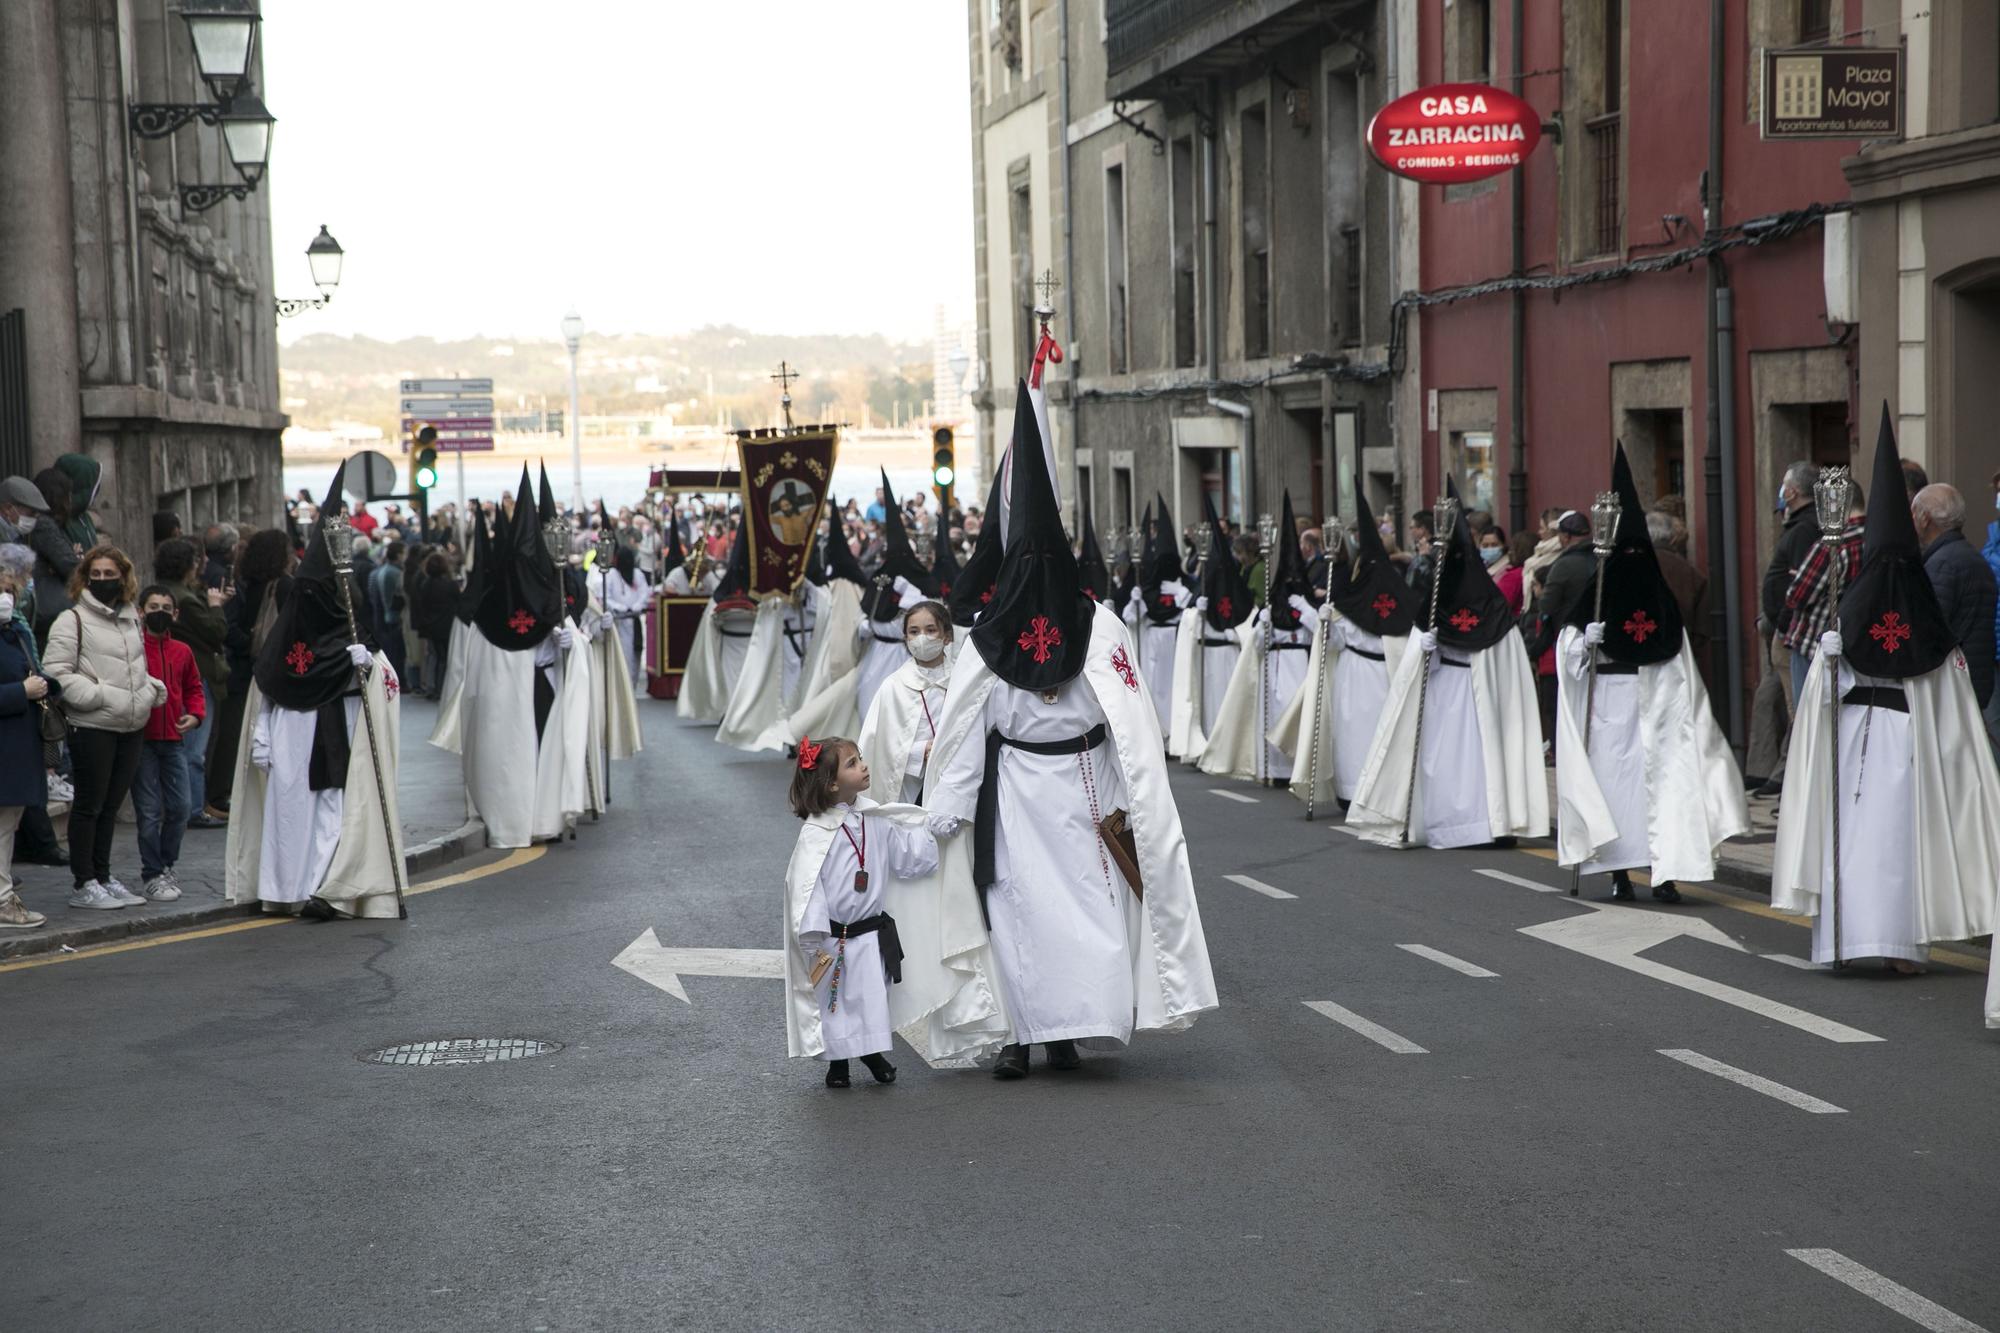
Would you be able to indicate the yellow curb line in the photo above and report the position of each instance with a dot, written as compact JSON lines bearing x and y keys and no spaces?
{"x":512,"y":861}
{"x":1948,"y":957}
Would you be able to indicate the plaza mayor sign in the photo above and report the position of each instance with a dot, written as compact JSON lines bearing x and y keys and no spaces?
{"x":1451,"y":133}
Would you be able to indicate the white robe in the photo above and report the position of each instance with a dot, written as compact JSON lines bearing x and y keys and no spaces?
{"x":524,"y":789}
{"x":287,"y":843}
{"x":614,"y":708}
{"x":897,"y":735}
{"x":1353,"y":668}
{"x":1481,"y":776}
{"x":1078,"y":954}
{"x":757,"y":700}
{"x":1920,"y":851}
{"x":881,"y":650}
{"x":946,"y":1007}
{"x":445,"y":727}
{"x":628,"y":604}
{"x":714,"y":663}
{"x":1156,"y":663}
{"x":1201,"y":681}
{"x":1659,"y":787}
{"x":800,"y":618}
{"x":1261,"y":688}
{"x":826,"y":686}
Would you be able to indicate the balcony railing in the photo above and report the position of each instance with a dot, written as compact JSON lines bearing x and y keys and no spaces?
{"x":1607,"y":233}
{"x":1134,"y":27}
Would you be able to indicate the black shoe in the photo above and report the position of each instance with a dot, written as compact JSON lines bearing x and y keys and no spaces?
{"x":1769,"y":789}
{"x":879,"y":1066}
{"x":1062,"y":1055}
{"x":1013,"y":1061}
{"x":836,"y":1074}
{"x":205,"y":820}
{"x":1665,"y":892}
{"x":1621,"y":888}
{"x":317,"y":909}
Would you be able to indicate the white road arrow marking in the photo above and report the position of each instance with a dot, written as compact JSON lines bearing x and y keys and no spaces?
{"x":1618,"y":935}
{"x":652,"y":962}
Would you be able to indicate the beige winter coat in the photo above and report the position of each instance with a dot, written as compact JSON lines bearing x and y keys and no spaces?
{"x":105,"y":684}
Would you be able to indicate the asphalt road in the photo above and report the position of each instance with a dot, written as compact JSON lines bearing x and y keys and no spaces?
{"x":189,"y":1140}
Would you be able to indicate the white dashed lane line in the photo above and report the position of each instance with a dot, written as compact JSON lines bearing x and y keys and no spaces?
{"x":1258,"y":886}
{"x":1755,"y":1082}
{"x":1375,"y":1032}
{"x":1445,"y":959}
{"x":1229,"y":795}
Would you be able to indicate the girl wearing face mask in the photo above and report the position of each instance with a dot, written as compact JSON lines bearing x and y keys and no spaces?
{"x":902,"y":720}
{"x":97,"y":656}
{"x":21,"y":685}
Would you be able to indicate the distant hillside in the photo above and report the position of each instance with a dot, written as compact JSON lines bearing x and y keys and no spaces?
{"x":710,"y":375}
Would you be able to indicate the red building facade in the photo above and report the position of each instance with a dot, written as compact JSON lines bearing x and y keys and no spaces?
{"x":1525,"y":385}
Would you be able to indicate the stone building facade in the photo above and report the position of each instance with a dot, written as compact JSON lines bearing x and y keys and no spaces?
{"x":146,"y":334}
{"x":1192,"y":172}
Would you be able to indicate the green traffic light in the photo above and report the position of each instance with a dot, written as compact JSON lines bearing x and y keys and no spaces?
{"x":943,"y":476}
{"x":427,"y":477}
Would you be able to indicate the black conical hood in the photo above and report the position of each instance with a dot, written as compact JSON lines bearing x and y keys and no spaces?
{"x":675,"y":554}
{"x":475,"y":575}
{"x":1472,"y":614}
{"x":303,"y":663}
{"x":1090,"y":566}
{"x":734,"y":586}
{"x":899,"y":560}
{"x":545,"y":507}
{"x":1366,"y":587}
{"x":521,"y":597}
{"x":944,"y":562}
{"x":1890,"y":622}
{"x":979,"y":580}
{"x":1288,"y":576}
{"x":1230,"y":601}
{"x":1035,"y":634}
{"x":1159,"y":562}
{"x":840,"y":561}
{"x":1642,"y":621}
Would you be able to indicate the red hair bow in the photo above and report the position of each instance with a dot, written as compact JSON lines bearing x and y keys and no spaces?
{"x":808,"y":752}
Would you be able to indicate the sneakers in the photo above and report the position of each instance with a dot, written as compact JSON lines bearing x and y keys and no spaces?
{"x":124,"y":896}
{"x":161,"y":888}
{"x":59,"y":788}
{"x":93,"y":897}
{"x":14,"y":914}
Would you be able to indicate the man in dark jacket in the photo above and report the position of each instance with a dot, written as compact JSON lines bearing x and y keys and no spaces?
{"x":200,"y":625}
{"x":1568,"y":579}
{"x":1962,"y":578}
{"x":1795,"y":543}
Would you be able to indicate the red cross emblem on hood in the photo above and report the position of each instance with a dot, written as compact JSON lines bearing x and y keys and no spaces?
{"x":1383,"y":605}
{"x":1038,"y":638}
{"x":299,"y":658}
{"x":1890,"y":631}
{"x":520,"y":622}
{"x":1463,"y":620}
{"x":1640,"y":626}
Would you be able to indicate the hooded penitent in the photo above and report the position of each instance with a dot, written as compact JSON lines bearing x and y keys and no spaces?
{"x":1288,"y":577}
{"x":944,"y":564}
{"x":521,"y":598}
{"x":1642,"y":621}
{"x":1890,"y":622}
{"x":575,"y":585}
{"x":733,"y":588}
{"x":1035,"y":633}
{"x":674,"y":555}
{"x":840,"y":561}
{"x":979,"y":580}
{"x":1230,"y":601}
{"x":899,"y":560}
{"x":1090,"y":564}
{"x":475,"y":577}
{"x":1159,"y":562}
{"x":304,"y":664}
{"x":1365,"y":588}
{"x":1472,"y":614}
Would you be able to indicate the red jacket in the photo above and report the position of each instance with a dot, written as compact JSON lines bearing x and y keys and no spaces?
{"x":173,"y":662}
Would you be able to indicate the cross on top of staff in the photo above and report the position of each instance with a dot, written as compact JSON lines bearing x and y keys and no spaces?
{"x":1047,"y":285}
{"x":785,"y":376}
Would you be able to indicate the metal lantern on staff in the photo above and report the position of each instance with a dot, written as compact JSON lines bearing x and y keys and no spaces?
{"x":1445,"y":521}
{"x":1333,"y":537}
{"x":1831,"y":494}
{"x":1604,"y":512}
{"x":340,"y":548}
{"x":1267,"y":538}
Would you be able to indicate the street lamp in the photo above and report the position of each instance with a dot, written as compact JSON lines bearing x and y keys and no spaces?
{"x":323,"y":256}
{"x":572,"y":332}
{"x":223,"y":32}
{"x":246,"y":134}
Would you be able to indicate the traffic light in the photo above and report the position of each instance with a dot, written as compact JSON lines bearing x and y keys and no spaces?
{"x":943,"y":473}
{"x":424,"y":474}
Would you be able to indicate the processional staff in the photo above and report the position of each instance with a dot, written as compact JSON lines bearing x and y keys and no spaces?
{"x":1830,"y":502}
{"x":1445,"y":518}
{"x":1604,"y":511}
{"x":340,"y":546}
{"x":1333,"y":536}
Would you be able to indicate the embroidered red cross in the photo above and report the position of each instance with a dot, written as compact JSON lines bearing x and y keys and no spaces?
{"x":520,"y":622}
{"x":1166,"y":599}
{"x":392,"y":685}
{"x":1123,"y":666}
{"x":1639,"y":626}
{"x":1463,"y":620}
{"x":1091,"y":593}
{"x":987,"y":596}
{"x":1222,"y":607}
{"x":1383,"y":605}
{"x":1889,"y":631}
{"x":1039,"y":637}
{"x":299,"y":658}
{"x":944,"y":590}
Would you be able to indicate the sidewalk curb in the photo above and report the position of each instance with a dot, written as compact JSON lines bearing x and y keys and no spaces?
{"x":467,"y":840}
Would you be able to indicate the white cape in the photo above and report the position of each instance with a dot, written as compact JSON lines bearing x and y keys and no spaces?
{"x":1262,"y":690}
{"x":704,"y":688}
{"x":360,"y":877}
{"x":1309,"y":711}
{"x":614,"y":708}
{"x":945,"y":1006}
{"x":757,"y":701}
{"x":827,"y":704}
{"x":1171,"y":978}
{"x":893,"y":728}
{"x":1692,"y":789}
{"x":445,"y":732}
{"x":523,"y":789}
{"x":1954,"y":816}
{"x":1509,"y":720}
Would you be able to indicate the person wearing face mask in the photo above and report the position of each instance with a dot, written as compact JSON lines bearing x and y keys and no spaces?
{"x":902,"y":722}
{"x":97,"y":656}
{"x":22,"y":686}
{"x":161,"y":791}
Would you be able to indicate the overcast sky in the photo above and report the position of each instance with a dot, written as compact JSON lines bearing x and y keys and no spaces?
{"x":787,"y":165}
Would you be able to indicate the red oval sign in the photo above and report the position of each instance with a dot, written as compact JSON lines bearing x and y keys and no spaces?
{"x":1450,"y":133}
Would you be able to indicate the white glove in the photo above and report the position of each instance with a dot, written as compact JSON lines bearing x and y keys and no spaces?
{"x":1830,"y":645}
{"x":1427,"y":642}
{"x":1137,"y":598}
{"x":1201,"y":603}
{"x":565,"y":637}
{"x":1170,"y":586}
{"x":359,"y":655}
{"x":1299,"y":604}
{"x":941,"y":826}
{"x":1593,"y":633}
{"x":260,"y":755}
{"x":905,"y":589}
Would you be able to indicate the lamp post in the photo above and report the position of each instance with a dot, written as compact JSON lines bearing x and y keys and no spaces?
{"x":324,"y":257}
{"x":246,"y":126}
{"x":223,"y":32}
{"x":572,"y":332}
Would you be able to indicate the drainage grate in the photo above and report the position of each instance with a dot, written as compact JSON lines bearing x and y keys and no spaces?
{"x":462,"y":1051}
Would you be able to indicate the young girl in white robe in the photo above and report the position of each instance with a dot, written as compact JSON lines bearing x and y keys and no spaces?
{"x":847,"y":944}
{"x":901,"y":725}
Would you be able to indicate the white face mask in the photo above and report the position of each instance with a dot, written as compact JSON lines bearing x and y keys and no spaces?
{"x":25,"y":523}
{"x":1490,"y":554}
{"x":924,"y":647}
{"x":6,"y":606}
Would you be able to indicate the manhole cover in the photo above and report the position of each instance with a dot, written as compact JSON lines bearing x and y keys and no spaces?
{"x":462,"y":1051}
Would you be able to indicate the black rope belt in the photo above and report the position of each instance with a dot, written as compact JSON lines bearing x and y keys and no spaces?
{"x":891,"y":944}
{"x":1617,"y":668}
{"x":732,"y":633}
{"x":879,"y":639}
{"x":1452,"y":662}
{"x":1877,"y":696}
{"x":987,"y":814}
{"x":1219,"y":643}
{"x":1280,"y":646}
{"x":1373,"y":657}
